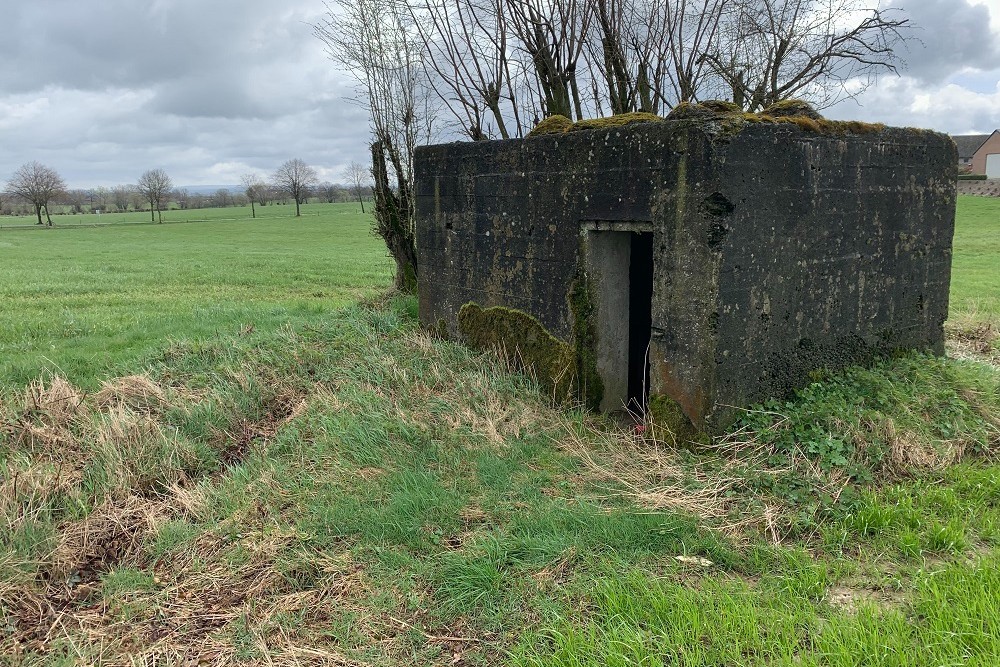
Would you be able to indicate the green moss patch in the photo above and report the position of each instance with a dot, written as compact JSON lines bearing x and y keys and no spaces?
{"x":792,"y":108}
{"x":521,"y":337}
{"x":561,"y":124}
{"x":669,"y":422}
{"x":793,"y":112}
{"x":556,"y":124}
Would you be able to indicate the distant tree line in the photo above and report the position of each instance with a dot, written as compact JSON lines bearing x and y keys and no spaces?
{"x":35,"y":188}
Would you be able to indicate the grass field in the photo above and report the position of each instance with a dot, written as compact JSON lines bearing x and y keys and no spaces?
{"x":335,"y":487}
{"x":81,"y":302}
{"x":975,"y":294}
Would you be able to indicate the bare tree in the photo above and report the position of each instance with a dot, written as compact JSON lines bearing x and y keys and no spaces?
{"x":75,"y":199}
{"x":100,"y":197}
{"x":473,"y":69}
{"x":295,"y":178}
{"x":222,"y":198}
{"x":359,"y":180}
{"x":772,"y":50}
{"x":252,"y":184}
{"x":497,"y":63}
{"x":377,"y":42}
{"x":332,"y":192}
{"x":37,"y":185}
{"x":265,"y":194}
{"x":121,"y":196}
{"x":154,"y":186}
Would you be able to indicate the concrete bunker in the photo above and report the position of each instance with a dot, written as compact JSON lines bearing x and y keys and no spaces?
{"x":689,"y":267}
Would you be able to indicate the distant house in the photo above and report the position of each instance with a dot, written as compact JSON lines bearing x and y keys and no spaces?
{"x":980,"y":153}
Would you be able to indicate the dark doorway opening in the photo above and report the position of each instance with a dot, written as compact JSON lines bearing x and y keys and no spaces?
{"x":640,"y":319}
{"x":619,"y":264}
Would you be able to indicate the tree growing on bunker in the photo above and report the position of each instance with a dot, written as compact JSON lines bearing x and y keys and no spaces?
{"x":499,"y":66}
{"x":37,"y":185}
{"x":377,"y":42}
{"x":295,"y":178}
{"x":154,"y":186}
{"x":822,"y":51}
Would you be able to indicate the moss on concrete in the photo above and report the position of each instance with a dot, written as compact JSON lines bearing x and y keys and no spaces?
{"x":669,"y":423}
{"x":525,"y":340}
{"x":562,"y":124}
{"x":734,"y":119}
{"x":692,"y":111}
{"x":735,"y":123}
{"x":615,"y":121}
{"x":792,"y":108}
{"x":581,"y":305}
{"x":792,"y":112}
{"x":439,"y":329}
{"x":552,"y":125}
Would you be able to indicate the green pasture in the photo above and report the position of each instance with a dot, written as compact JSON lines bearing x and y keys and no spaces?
{"x":304,"y":476}
{"x":80,"y":302}
{"x":975,"y":276}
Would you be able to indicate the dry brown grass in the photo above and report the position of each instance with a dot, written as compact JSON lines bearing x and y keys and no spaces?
{"x":136,"y":392}
{"x":908,"y":453}
{"x":973,"y":339}
{"x":55,"y":404}
{"x":200,"y":608}
{"x":655,"y":476}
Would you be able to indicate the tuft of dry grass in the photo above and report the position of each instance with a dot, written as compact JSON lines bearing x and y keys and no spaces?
{"x":136,"y":392}
{"x":111,"y":534}
{"x":56,"y":404}
{"x":655,"y":476}
{"x":908,"y":453}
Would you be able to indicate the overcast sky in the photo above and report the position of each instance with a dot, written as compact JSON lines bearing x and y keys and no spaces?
{"x":102,"y":90}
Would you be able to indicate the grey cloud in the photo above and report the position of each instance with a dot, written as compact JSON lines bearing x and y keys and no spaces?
{"x":121,"y":43}
{"x":949,"y":35}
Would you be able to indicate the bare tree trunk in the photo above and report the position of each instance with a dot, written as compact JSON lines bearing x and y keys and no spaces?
{"x":393,"y":220}
{"x":48,"y":217}
{"x":38,"y":212}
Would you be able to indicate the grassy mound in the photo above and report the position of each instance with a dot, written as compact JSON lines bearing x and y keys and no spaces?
{"x":358,"y":492}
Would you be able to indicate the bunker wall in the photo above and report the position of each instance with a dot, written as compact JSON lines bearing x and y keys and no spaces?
{"x":499,"y":223}
{"x":777,"y":251}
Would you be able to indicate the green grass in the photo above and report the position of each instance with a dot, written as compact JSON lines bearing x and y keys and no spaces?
{"x":333,"y":485}
{"x":82,"y":302}
{"x":974,"y":292}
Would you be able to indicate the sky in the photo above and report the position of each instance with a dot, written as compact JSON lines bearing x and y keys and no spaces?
{"x":209,"y":90}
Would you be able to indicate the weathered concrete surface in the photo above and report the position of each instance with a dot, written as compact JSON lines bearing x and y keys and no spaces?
{"x":777,"y":251}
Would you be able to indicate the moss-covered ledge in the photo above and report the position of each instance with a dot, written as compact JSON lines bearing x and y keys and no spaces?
{"x":786,"y":112}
